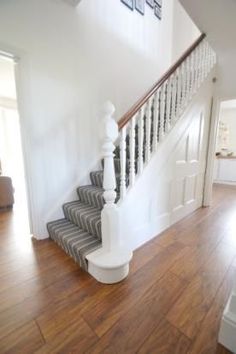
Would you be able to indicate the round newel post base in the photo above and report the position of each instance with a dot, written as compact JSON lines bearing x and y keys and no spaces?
{"x":109,"y":267}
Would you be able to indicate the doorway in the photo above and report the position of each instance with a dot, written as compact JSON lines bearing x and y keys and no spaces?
{"x":225,"y":154}
{"x":13,"y":198}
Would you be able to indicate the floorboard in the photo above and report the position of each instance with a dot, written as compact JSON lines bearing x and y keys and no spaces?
{"x":171,"y":303}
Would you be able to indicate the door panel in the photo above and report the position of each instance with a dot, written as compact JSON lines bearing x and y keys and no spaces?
{"x":189,"y":169}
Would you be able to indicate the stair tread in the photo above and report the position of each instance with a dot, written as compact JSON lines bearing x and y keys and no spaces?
{"x":92,"y":195}
{"x":92,"y":187}
{"x":73,"y":240}
{"x":97,"y":178}
{"x":85,"y":216}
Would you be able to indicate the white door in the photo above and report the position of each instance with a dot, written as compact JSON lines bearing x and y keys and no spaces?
{"x":189,"y":171}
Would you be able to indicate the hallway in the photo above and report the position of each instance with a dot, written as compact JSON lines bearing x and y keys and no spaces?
{"x":171,"y":303}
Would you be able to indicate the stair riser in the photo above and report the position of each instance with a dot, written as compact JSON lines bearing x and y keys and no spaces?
{"x":74,"y":241}
{"x":98,"y":180}
{"x":94,"y":199}
{"x":86,"y":220}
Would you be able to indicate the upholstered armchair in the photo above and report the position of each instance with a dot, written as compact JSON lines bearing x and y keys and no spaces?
{"x":6,"y":191}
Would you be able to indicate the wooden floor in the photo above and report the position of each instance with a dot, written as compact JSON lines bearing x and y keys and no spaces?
{"x":171,"y":302}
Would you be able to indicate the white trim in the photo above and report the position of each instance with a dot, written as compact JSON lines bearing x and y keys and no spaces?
{"x":22,"y":88}
{"x":209,"y":175}
{"x":9,"y":103}
{"x":8,"y":56}
{"x":229,"y":183}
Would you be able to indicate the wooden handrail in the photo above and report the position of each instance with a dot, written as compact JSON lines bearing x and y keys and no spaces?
{"x":135,"y":108}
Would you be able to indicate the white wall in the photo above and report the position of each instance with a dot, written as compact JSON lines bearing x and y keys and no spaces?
{"x":72,"y":60}
{"x":185,"y":31}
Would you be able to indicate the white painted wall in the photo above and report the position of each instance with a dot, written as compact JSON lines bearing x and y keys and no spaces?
{"x":158,"y":199}
{"x":185,"y":31}
{"x":72,"y":60}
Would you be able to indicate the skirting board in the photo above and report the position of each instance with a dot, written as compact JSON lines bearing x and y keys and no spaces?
{"x":149,"y":230}
{"x":230,"y":183}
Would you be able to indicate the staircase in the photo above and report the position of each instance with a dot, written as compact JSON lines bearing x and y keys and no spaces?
{"x":90,"y":231}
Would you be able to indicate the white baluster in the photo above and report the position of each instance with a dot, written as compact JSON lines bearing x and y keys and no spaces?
{"x":140,"y":140}
{"x":110,"y":131}
{"x":185,"y":88}
{"x":209,"y":66}
{"x":173,"y":99}
{"x":195,"y":70}
{"x":148,"y":131}
{"x":179,"y":92}
{"x":162,"y":112}
{"x":211,"y":58}
{"x":132,"y":152}
{"x":200,"y":54}
{"x":206,"y":60}
{"x":187,"y":79}
{"x":203,"y":62}
{"x":214,"y":58}
{"x":155,"y":121}
{"x":123,"y":163}
{"x":191,"y":85}
{"x":168,"y":102}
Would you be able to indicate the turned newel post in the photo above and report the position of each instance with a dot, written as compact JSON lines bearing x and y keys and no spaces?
{"x":110,"y":134}
{"x":110,"y":219}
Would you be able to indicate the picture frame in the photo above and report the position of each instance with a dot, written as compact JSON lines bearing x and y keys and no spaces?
{"x":128,"y":3}
{"x":157,"y":11}
{"x":150,"y":3}
{"x":158,"y":2}
{"x":140,"y":6}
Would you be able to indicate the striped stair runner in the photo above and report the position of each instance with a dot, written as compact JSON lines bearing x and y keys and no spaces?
{"x":79,"y":233}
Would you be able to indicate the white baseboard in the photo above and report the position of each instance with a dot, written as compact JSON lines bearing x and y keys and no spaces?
{"x":231,"y":183}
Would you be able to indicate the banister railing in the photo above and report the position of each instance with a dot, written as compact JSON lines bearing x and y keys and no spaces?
{"x":135,"y":108}
{"x":141,"y":130}
{"x":146,"y":124}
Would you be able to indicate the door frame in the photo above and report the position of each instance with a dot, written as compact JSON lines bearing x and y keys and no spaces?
{"x":209,"y":173}
{"x":21,"y":71}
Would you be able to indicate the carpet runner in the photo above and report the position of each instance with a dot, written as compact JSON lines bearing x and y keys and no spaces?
{"x":79,"y":232}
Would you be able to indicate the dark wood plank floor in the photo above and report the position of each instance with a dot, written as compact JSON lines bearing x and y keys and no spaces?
{"x":171,"y":302}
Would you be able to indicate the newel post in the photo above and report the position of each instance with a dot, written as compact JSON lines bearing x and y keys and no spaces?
{"x":110,"y":215}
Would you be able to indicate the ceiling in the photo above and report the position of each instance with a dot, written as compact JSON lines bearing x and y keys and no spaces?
{"x":72,"y":2}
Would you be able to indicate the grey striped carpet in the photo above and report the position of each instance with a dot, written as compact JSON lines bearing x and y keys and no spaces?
{"x":79,"y":233}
